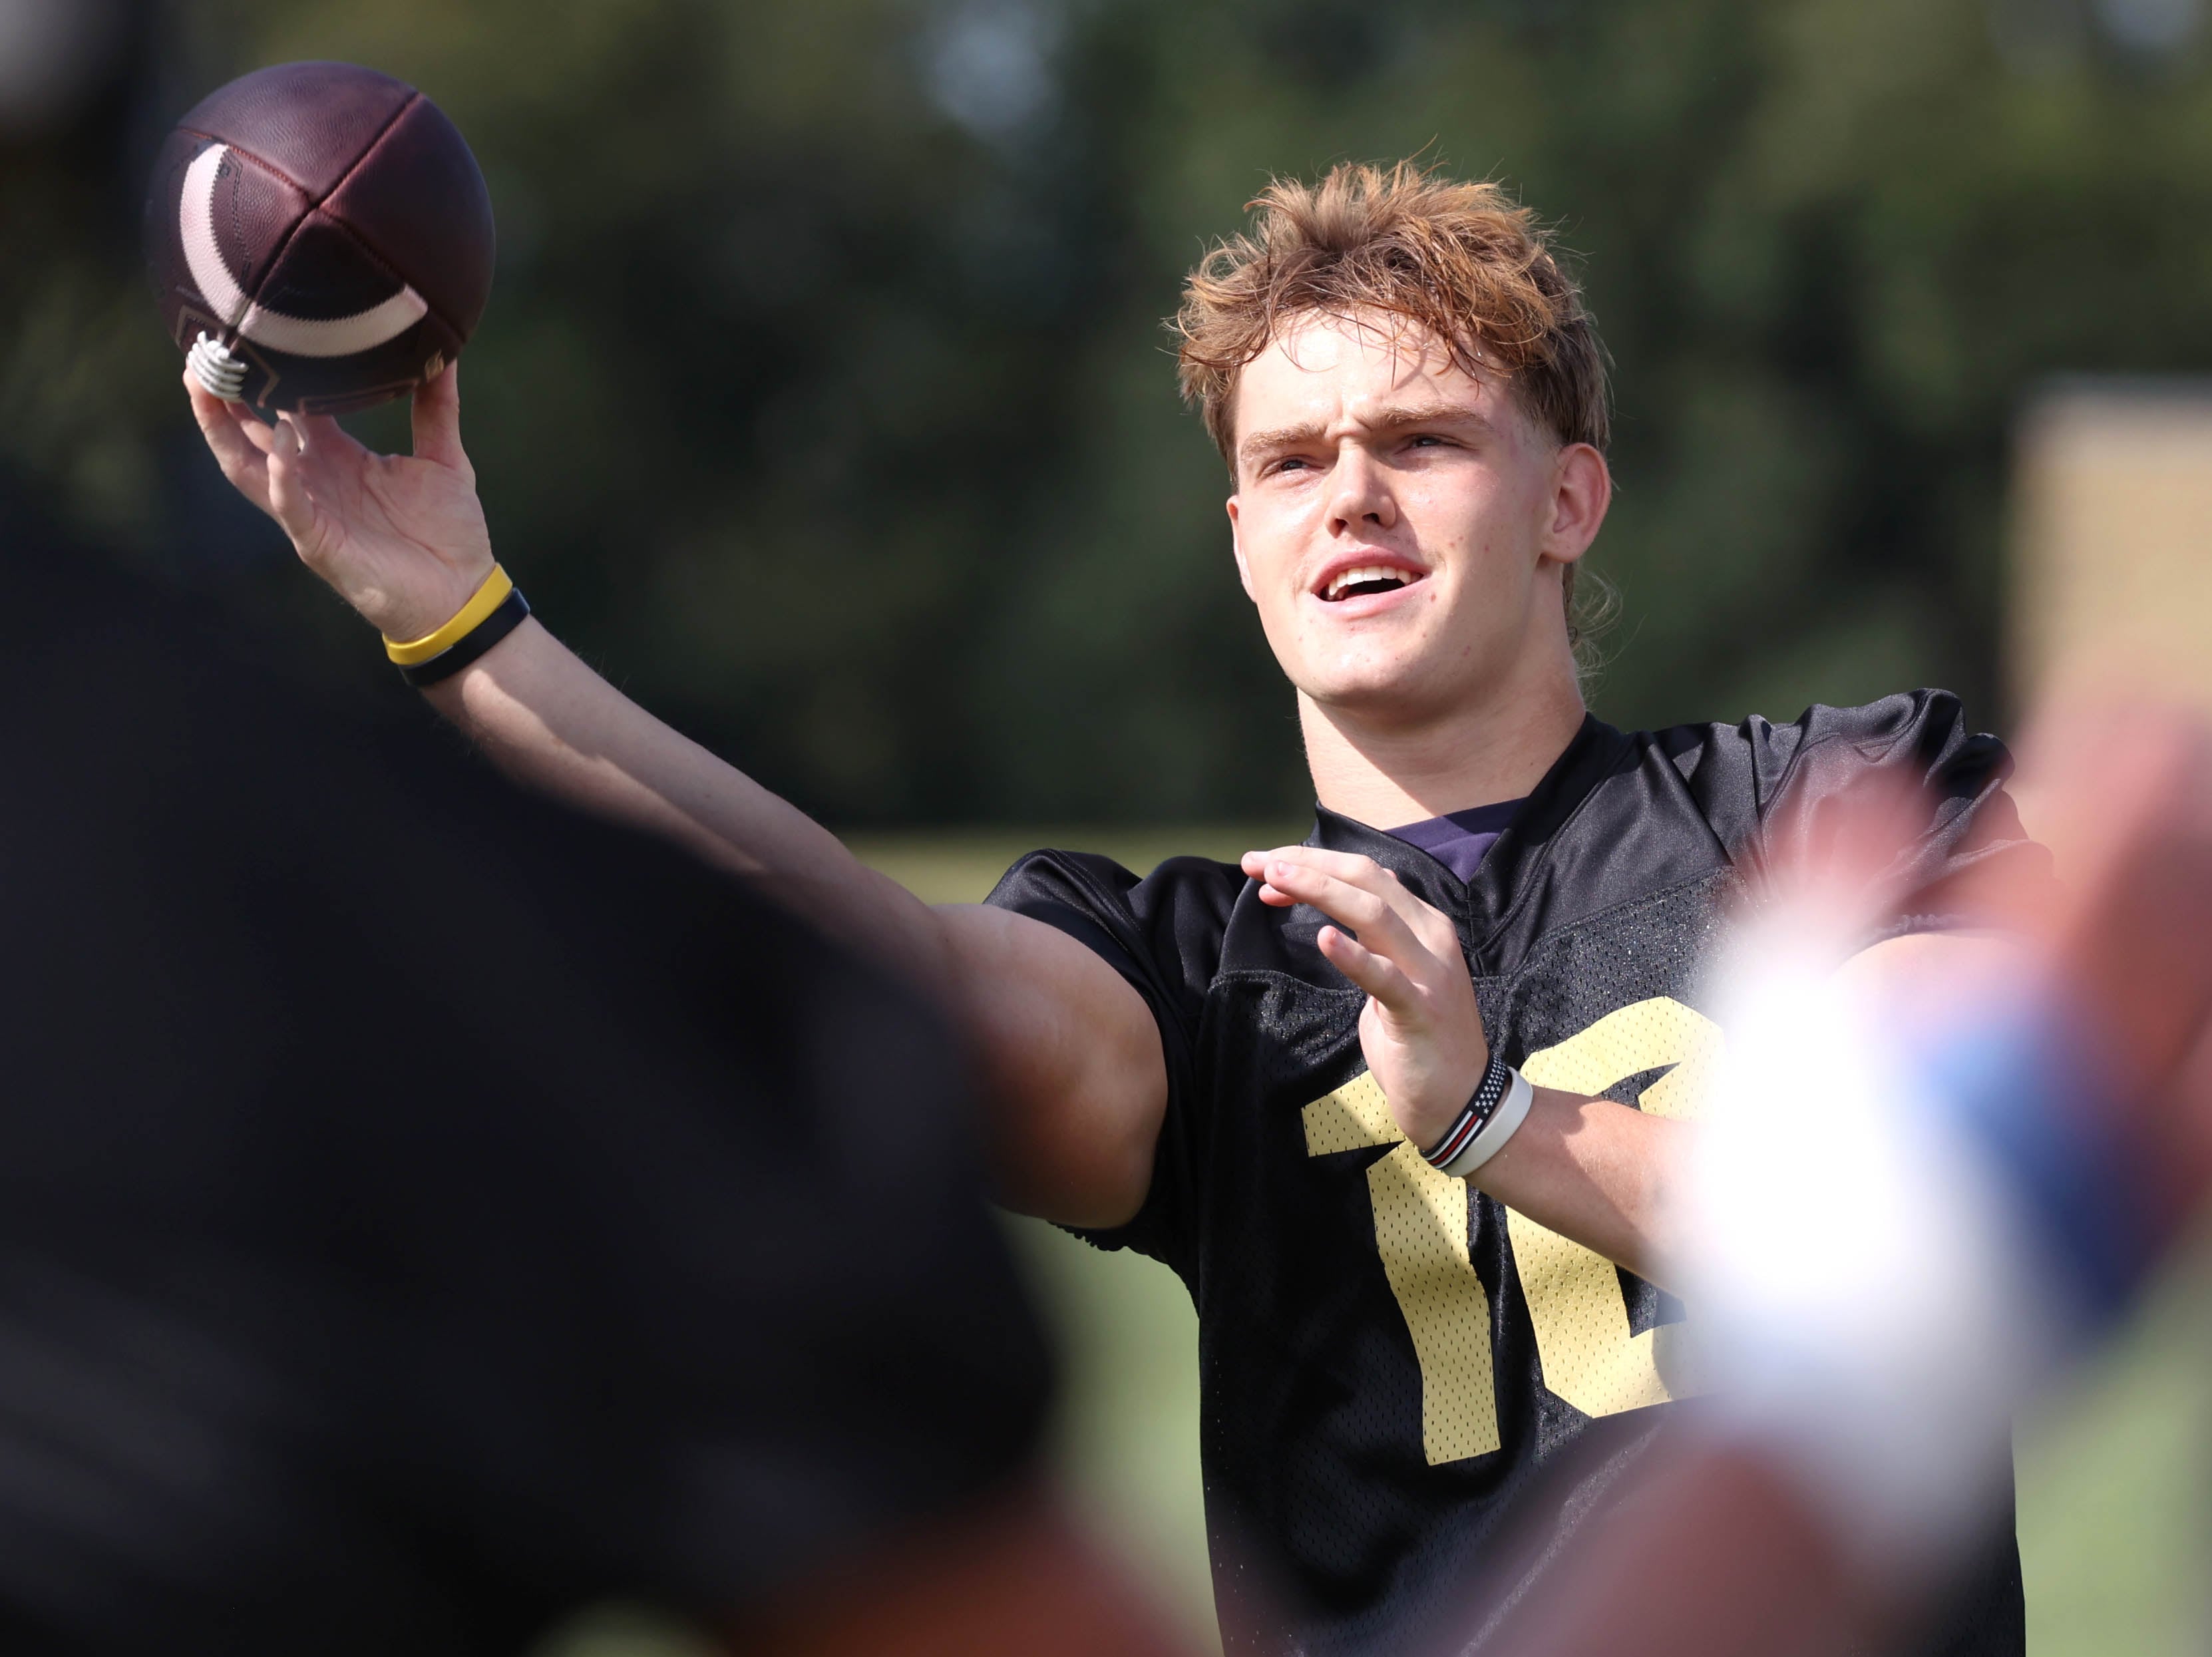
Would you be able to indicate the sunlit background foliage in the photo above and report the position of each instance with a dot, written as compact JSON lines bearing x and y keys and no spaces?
{"x":823,"y":397}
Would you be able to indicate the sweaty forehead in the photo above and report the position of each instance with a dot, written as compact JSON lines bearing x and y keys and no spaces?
{"x":1350,"y":370}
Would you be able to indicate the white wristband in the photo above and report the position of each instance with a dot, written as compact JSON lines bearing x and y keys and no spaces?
{"x":1512,"y":1111}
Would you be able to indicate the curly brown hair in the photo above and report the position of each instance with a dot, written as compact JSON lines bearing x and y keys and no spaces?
{"x":1463,"y":262}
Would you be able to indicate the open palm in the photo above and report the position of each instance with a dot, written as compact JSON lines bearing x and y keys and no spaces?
{"x":401,"y":537}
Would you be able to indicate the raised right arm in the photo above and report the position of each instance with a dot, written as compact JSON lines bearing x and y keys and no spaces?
{"x":1079,"y":1080}
{"x":1079,"y":1077}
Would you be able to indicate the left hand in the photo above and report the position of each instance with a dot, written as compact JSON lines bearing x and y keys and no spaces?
{"x":1421,"y":1031}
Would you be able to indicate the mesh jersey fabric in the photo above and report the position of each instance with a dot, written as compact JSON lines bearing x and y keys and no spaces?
{"x":1390,"y":1363}
{"x":423,"y":1214}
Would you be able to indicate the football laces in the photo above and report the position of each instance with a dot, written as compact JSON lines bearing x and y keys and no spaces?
{"x":216,"y":368}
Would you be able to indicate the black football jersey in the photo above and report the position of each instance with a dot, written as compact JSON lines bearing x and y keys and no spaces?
{"x":1396,"y":1370}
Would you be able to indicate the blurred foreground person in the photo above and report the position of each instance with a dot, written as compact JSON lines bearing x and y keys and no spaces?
{"x":1401,"y":1105}
{"x":423,"y":1214}
{"x":1895,"y":1249}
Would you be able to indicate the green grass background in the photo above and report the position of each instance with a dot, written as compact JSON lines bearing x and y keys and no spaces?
{"x":2113,"y":1520}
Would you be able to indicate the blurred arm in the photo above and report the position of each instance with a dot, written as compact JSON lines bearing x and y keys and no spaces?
{"x":1604,"y":1174}
{"x":1713,"y":1554}
{"x":1769,"y":1527}
{"x":1923,"y":968}
{"x":1717,"y":1548}
{"x":1014,"y":1581}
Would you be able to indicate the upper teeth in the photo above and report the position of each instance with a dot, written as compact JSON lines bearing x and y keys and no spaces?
{"x":1365,"y":573}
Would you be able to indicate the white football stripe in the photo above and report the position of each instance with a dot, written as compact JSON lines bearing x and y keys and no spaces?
{"x":364,"y":331}
{"x":196,"y":220}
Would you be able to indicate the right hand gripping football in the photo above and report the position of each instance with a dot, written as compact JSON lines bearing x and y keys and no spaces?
{"x":402,"y":538}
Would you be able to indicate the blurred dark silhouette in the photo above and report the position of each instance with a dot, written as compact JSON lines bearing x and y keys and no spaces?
{"x":423,"y":1215}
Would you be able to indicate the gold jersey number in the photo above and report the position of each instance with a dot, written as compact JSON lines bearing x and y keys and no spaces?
{"x":1589,"y":1358}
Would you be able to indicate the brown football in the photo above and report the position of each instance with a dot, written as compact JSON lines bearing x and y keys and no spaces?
{"x":320,"y":239}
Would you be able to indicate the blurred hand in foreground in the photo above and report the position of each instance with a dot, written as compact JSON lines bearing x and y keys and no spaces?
{"x":2125,"y":934}
{"x":402,"y":538}
{"x":1913,"y":1210}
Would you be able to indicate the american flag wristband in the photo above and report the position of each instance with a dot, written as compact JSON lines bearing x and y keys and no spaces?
{"x":1499,"y":1105}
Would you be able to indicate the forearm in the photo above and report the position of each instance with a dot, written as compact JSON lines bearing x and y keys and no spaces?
{"x":1596,"y":1172}
{"x":402,"y":540}
{"x":550,"y":721}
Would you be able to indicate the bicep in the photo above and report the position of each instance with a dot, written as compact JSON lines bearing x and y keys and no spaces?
{"x":1077,"y":1073}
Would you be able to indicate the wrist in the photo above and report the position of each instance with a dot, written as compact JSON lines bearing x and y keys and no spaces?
{"x":494,"y":611}
{"x":1494,"y":1111}
{"x":1432,"y":1107}
{"x":417,"y":609}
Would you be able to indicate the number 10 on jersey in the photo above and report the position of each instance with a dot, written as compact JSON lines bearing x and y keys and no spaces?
{"x":1589,"y":1357}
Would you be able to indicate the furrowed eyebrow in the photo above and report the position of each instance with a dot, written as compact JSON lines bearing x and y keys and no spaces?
{"x":1396,"y":417}
{"x":1399,"y":416}
{"x":1283,"y":437}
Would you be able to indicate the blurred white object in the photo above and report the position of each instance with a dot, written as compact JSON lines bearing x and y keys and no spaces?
{"x":1870,"y":1304}
{"x":53,"y":53}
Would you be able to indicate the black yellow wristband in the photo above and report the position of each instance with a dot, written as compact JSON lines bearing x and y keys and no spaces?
{"x":490,"y":593}
{"x":509,"y":613}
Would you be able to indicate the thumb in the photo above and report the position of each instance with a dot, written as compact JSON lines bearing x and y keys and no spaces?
{"x":438,"y":420}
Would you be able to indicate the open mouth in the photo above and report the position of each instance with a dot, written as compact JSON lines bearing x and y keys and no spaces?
{"x":1366,"y":579}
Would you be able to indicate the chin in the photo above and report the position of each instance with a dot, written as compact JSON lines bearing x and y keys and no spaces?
{"x":1369,"y":689}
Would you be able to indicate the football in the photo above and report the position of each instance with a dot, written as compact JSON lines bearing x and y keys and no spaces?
{"x":319,"y":237}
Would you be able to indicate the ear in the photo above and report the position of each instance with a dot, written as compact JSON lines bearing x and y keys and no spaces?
{"x":1581,"y":490}
{"x":1236,"y":550}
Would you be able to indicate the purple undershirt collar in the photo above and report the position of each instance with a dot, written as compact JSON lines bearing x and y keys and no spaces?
{"x":1460,"y":840}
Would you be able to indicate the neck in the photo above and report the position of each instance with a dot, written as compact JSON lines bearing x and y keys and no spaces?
{"x":1386,"y":772}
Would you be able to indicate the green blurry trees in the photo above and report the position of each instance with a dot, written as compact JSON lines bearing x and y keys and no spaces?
{"x":823,"y":398}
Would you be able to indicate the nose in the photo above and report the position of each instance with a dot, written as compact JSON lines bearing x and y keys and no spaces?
{"x":1360,"y":496}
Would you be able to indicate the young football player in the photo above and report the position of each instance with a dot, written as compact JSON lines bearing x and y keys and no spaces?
{"x":1400,"y":1104}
